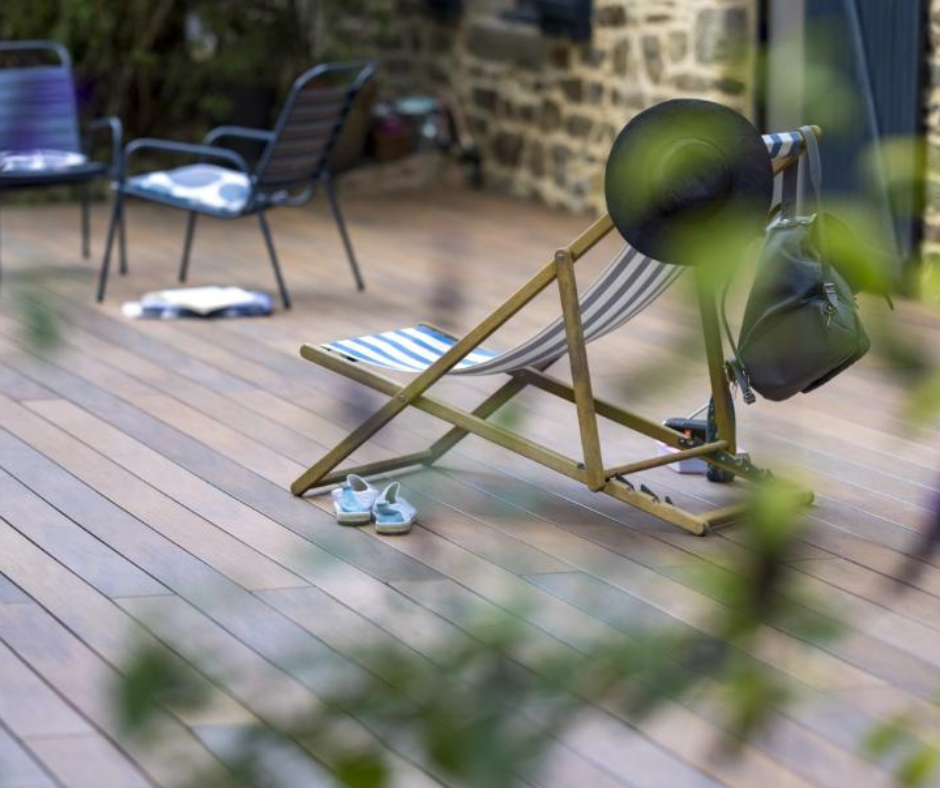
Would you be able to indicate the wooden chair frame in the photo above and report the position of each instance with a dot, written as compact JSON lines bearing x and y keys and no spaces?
{"x":590,"y":471}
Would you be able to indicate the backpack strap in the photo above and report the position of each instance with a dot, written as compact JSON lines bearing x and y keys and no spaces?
{"x":814,"y":164}
{"x":789,"y":193}
{"x":735,"y":367}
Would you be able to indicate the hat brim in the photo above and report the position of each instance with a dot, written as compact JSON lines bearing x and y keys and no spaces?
{"x":636,"y":207}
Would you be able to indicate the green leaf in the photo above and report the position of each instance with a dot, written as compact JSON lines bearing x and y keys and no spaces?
{"x":363,"y":770}
{"x":40,"y":323}
{"x":153,"y":678}
{"x":919,"y":768}
{"x":882,"y":738}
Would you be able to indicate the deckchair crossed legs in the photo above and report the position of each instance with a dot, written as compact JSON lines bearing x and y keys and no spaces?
{"x":450,"y":353}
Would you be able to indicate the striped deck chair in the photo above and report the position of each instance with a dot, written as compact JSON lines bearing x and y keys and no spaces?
{"x":629,"y":284}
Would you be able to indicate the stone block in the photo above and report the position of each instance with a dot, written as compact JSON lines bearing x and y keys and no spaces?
{"x":490,"y":38}
{"x":560,"y":57}
{"x":687,"y":82}
{"x":721,"y":35}
{"x":593,"y":57}
{"x":621,"y":57}
{"x":507,"y":148}
{"x":653,"y":58}
{"x":677,"y":46}
{"x":730,"y":85}
{"x":485,"y":98}
{"x":550,"y":116}
{"x":579,"y":125}
{"x":535,"y":159}
{"x":595,"y":93}
{"x":573,"y":89}
{"x":611,"y":16}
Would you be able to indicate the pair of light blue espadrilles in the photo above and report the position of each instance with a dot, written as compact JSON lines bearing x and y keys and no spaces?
{"x":357,"y":502}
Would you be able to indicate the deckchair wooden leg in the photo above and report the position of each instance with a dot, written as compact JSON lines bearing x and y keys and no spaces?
{"x":484,"y":410}
{"x":714,"y":354}
{"x":652,"y":429}
{"x":378,"y":467}
{"x":693,"y":523}
{"x":580,"y":371}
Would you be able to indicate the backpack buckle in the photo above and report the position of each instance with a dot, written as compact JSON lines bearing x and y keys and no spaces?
{"x":741,"y":380}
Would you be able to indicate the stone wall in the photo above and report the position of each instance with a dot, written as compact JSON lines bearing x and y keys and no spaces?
{"x":545,"y":111}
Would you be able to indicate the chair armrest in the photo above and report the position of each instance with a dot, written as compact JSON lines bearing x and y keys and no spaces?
{"x":258,"y":135}
{"x":116,"y":129}
{"x":202,"y":151}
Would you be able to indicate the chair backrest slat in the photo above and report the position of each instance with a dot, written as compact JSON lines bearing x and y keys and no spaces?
{"x":38,"y":108}
{"x":310,"y":124}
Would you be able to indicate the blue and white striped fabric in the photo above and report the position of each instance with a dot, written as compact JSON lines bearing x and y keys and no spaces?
{"x":407,"y":349}
{"x":783,"y":145}
{"x":629,"y":284}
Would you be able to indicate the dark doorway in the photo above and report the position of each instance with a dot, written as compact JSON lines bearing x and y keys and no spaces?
{"x":878,"y":50}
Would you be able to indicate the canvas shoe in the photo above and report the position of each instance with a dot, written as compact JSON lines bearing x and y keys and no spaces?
{"x":392,"y":513}
{"x":353,"y":501}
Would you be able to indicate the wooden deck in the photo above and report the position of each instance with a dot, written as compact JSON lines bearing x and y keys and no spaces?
{"x":143,"y":496}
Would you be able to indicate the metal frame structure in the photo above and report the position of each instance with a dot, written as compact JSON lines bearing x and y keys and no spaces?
{"x":81,"y":175}
{"x":294,"y":161}
{"x":591,"y":469}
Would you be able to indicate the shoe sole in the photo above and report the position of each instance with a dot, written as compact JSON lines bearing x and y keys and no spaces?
{"x":353,"y":518}
{"x":393,"y":529}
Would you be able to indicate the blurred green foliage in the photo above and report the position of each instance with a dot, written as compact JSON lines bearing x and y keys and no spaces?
{"x":485,"y":712}
{"x":153,"y":678}
{"x":917,"y":762}
{"x":39,"y":326}
{"x":175,"y":67}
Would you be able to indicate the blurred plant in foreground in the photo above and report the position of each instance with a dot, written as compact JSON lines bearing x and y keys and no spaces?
{"x":38,"y":323}
{"x":487,"y":711}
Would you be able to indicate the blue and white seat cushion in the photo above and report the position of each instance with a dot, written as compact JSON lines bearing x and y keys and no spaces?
{"x":200,"y":186}
{"x":39,"y":160}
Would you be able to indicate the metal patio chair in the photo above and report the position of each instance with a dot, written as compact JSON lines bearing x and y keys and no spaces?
{"x":294,"y":160}
{"x":630,"y":283}
{"x":40,"y":140}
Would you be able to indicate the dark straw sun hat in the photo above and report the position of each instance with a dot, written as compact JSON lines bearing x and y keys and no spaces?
{"x":683,"y":170}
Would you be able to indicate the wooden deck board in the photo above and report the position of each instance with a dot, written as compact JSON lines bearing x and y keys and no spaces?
{"x":143,"y":487}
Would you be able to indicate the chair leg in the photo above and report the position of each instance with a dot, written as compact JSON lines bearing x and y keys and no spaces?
{"x":106,"y":260}
{"x":269,"y":242}
{"x":341,"y":224}
{"x":85,"y":198}
{"x":187,"y":245}
{"x":122,"y":240}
